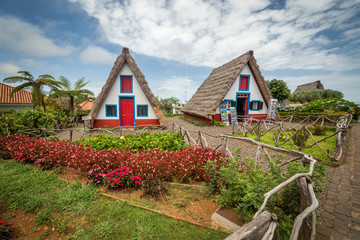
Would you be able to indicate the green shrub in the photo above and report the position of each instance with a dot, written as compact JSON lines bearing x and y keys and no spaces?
{"x":243,"y":186}
{"x":218,"y":124}
{"x":153,"y":187}
{"x":146,"y":141}
{"x":329,"y":106}
{"x":311,"y":95}
{"x":12,"y":121}
{"x":318,"y":130}
{"x":300,"y":137}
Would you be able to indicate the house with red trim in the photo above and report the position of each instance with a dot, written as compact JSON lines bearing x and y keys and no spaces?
{"x":236,"y":86}
{"x":20,"y":100}
{"x":126,"y":99}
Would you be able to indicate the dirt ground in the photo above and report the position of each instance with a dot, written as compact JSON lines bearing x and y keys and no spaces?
{"x":25,"y":228}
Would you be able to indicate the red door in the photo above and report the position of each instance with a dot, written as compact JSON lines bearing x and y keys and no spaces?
{"x":126,"y":111}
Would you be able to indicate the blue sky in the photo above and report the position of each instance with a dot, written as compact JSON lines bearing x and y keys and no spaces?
{"x":176,"y":43}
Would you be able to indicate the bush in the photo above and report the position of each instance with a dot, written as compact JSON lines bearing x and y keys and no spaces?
{"x":243,"y":186}
{"x":153,"y":187}
{"x":183,"y":166}
{"x":146,"y":141}
{"x":124,"y":177}
{"x":311,"y":95}
{"x":5,"y":230}
{"x":329,"y":106}
{"x":218,"y":124}
{"x":12,"y":121}
{"x":318,"y":130}
{"x":300,"y":137}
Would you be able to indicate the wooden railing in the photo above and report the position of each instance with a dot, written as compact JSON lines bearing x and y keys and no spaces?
{"x":264,"y":224}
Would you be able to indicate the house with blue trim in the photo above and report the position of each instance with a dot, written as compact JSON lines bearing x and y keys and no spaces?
{"x":235,"y":88}
{"x":126,"y":99}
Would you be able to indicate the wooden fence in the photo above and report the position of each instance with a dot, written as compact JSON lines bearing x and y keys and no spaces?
{"x":264,"y":224}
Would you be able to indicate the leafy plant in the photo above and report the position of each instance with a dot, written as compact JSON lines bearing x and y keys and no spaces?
{"x":124,"y":177}
{"x":278,"y":89}
{"x":153,"y":187}
{"x":243,"y":187}
{"x":5,"y":231}
{"x":300,"y":137}
{"x":311,"y":95}
{"x":146,"y":141}
{"x":218,"y":124}
{"x":318,"y":130}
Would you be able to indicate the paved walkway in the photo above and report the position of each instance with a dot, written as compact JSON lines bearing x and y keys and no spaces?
{"x":340,"y":206}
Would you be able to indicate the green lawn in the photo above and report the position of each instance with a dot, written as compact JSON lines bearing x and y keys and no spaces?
{"x":59,"y":204}
{"x":315,"y":151}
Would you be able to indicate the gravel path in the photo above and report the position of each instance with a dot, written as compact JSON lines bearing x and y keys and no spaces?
{"x":247,"y":149}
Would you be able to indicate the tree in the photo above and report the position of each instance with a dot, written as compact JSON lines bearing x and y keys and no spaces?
{"x":71,"y":93}
{"x":278,"y":89}
{"x":166,"y":103}
{"x":37,"y":86}
{"x":310,"y":95}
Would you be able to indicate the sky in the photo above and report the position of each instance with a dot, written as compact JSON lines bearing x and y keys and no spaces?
{"x":177,"y":43}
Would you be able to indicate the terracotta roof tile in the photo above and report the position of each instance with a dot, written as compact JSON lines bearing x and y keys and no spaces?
{"x":86,"y":105}
{"x":20,"y":97}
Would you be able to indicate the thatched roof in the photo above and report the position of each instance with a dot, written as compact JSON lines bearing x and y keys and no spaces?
{"x":213,"y":90}
{"x":309,"y":86}
{"x":125,"y":57}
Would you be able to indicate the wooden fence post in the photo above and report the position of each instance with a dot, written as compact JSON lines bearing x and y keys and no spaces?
{"x":71,"y":135}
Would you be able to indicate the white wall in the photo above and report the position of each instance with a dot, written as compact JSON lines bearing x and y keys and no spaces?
{"x":16,"y":107}
{"x":254,"y":91}
{"x":113,"y":97}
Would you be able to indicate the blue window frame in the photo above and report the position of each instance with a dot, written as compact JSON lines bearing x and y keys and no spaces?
{"x":142,"y":110}
{"x":110,"y":110}
{"x":244,"y":82}
{"x":256,"y":105}
{"x":124,"y":83}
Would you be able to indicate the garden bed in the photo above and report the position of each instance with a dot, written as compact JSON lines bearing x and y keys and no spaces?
{"x":76,"y":209}
{"x":188,"y":202}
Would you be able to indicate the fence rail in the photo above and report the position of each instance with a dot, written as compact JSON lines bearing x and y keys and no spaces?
{"x":264,"y":224}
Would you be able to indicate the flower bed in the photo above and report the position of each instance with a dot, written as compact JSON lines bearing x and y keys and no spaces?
{"x":183,"y":166}
{"x":146,"y":141}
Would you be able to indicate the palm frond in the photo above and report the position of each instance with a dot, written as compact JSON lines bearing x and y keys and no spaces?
{"x":26,"y":74}
{"x":46,"y":76}
{"x":18,"y":88}
{"x":16,"y":79}
{"x":65,"y":82}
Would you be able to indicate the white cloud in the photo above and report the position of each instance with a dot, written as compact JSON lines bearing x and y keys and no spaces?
{"x":26,"y":38}
{"x":97,"y":55}
{"x":175,"y":86}
{"x":209,"y":33}
{"x":8,"y":68}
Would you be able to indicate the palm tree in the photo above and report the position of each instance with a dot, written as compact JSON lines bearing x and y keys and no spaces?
{"x":36,"y":85}
{"x":71,"y":93}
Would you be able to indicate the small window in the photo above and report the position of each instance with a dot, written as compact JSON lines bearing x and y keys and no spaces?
{"x":244,"y":83}
{"x":111,"y":111}
{"x":256,"y":105}
{"x":126,"y":84}
{"x":142,"y":110}
{"x":229,"y":103}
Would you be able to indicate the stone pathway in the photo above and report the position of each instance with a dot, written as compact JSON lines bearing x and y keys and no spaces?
{"x":339,"y":209}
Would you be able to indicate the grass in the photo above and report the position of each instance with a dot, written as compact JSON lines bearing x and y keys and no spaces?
{"x":61,"y":204}
{"x":195,"y":122}
{"x":328,"y":145}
